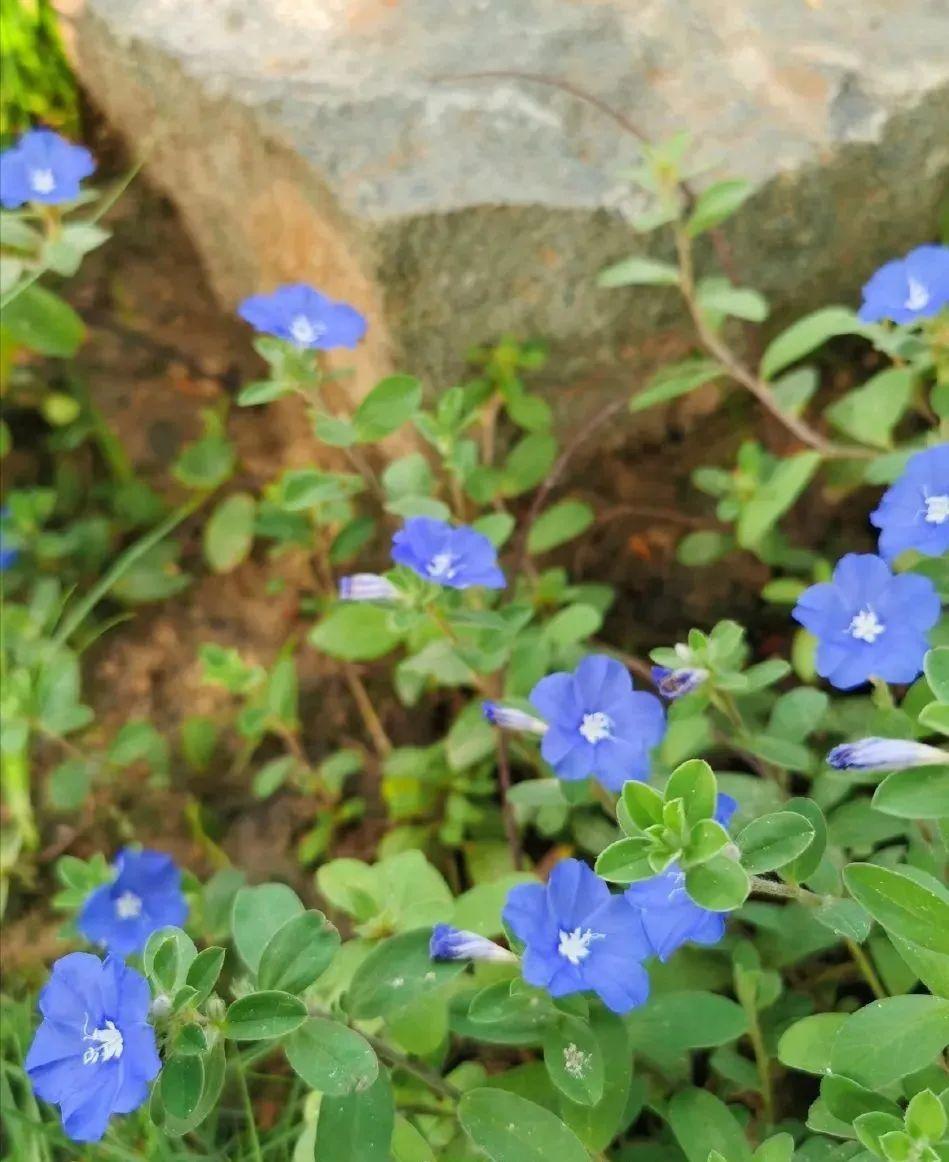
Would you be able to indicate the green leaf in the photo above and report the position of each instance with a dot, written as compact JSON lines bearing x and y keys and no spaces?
{"x":802,"y":337}
{"x":801,"y":869}
{"x":643,"y":804}
{"x":331,"y":1058}
{"x":508,"y":1128}
{"x":713,"y":206}
{"x":573,"y":624}
{"x":355,"y":632}
{"x":44,"y":323}
{"x":182,"y":1079}
{"x":397,"y":972}
{"x":891,"y":1038}
{"x":926,"y":1117}
{"x":559,"y":524}
{"x":772,"y":841}
{"x":702,"y":548}
{"x":675,"y":380}
{"x":773,"y":498}
{"x":357,"y":1127}
{"x":847,"y":1100}
{"x":625,"y":861}
{"x":694,"y":783}
{"x":573,"y":1059}
{"x":408,"y":1145}
{"x":528,"y":463}
{"x":871,"y":412}
{"x":335,"y":431}
{"x":179,"y":957}
{"x":686,"y":1020}
{"x":229,"y":533}
{"x":390,"y":404}
{"x":718,"y":296}
{"x":904,"y":907}
{"x":701,"y":1123}
{"x":257,"y":914}
{"x":298,"y":953}
{"x":638,"y":271}
{"x":845,"y":918}
{"x":720,"y":885}
{"x":807,"y":1045}
{"x":936,"y":666}
{"x":203,"y":972}
{"x":919,"y":793}
{"x":596,"y":1126}
{"x":262,"y":391}
{"x":263,"y":1016}
{"x":794,"y":391}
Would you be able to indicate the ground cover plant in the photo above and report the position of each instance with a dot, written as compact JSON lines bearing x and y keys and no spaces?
{"x":692,"y":909}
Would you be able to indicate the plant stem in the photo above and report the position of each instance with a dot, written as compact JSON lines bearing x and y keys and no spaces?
{"x":783,"y":891}
{"x":763,"y":1061}
{"x":126,"y":560}
{"x":743,"y":375}
{"x":248,"y":1108}
{"x":869,"y":973}
{"x":507,"y":811}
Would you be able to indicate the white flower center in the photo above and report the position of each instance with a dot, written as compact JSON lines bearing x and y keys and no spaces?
{"x":42,"y":181}
{"x":304,"y":330}
{"x":128,"y":906}
{"x":597,"y":726}
{"x":575,"y":946}
{"x":866,"y":626}
{"x":442,"y":565}
{"x":918,"y":296}
{"x":107,"y":1043}
{"x":937,"y":509}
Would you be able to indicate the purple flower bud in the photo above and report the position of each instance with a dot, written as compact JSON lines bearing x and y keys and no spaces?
{"x":510,"y":719}
{"x":448,"y":943}
{"x":880,"y":754}
{"x":673,"y":684}
{"x":367,"y":587}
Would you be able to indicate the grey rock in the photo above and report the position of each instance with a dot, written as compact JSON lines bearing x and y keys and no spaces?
{"x":344,"y":142}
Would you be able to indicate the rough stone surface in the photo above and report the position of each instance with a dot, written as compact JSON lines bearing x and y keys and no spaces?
{"x":338,"y":141}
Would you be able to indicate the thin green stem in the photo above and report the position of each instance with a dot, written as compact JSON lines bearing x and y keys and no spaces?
{"x":248,"y":1107}
{"x":134,"y":553}
{"x":763,"y":1062}
{"x":782,"y":891}
{"x":869,"y":973}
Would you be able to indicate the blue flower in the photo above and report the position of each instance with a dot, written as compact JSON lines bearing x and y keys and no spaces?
{"x":42,"y":167}
{"x":9,"y":554}
{"x":509,"y":718}
{"x":669,"y":915}
{"x":869,"y":622}
{"x":914,"y":512}
{"x":302,"y":316}
{"x":881,"y":754}
{"x":598,"y":724}
{"x":144,"y":896}
{"x":673,"y":684}
{"x":448,"y":943}
{"x":725,"y":808}
{"x":367,"y":587}
{"x":910,"y":288}
{"x":580,"y":937}
{"x":455,"y":557}
{"x":94,"y":1053}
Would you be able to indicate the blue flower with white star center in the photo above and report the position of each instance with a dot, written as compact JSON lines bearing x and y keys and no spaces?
{"x":42,"y":167}
{"x":94,"y":1053}
{"x":670,"y":916}
{"x":908,"y":289}
{"x":302,"y":316}
{"x":144,"y":896}
{"x":598,"y":725}
{"x":458,"y":558}
{"x":869,"y":622}
{"x":448,"y":943}
{"x":914,"y":512}
{"x":883,"y":754}
{"x":579,"y":937}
